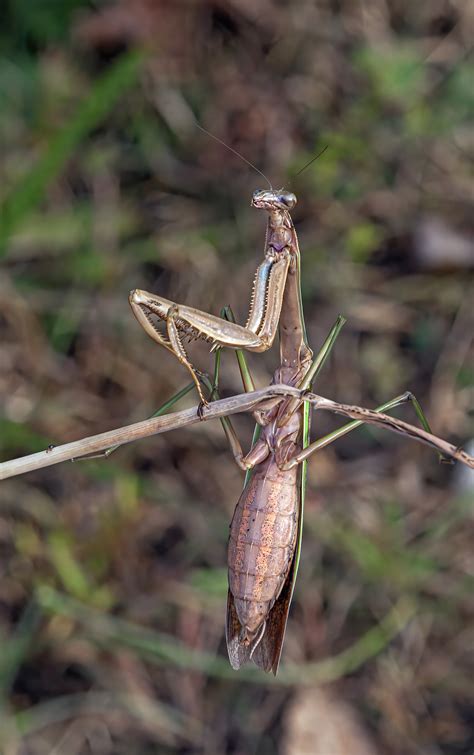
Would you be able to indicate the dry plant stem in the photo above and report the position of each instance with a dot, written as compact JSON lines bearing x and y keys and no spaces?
{"x":246,"y":402}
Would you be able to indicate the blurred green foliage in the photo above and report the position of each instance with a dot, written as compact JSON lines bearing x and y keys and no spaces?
{"x":99,"y":101}
{"x":113,"y":572}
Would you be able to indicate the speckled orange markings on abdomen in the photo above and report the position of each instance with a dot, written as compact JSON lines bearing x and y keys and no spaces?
{"x":262,"y":541}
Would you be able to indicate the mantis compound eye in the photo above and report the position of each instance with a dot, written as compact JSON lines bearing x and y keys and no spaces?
{"x":288,"y":199}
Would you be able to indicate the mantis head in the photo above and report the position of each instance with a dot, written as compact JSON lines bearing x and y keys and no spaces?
{"x":271,"y":199}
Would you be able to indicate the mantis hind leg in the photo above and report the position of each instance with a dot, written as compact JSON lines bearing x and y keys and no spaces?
{"x":326,"y":440}
{"x":305,"y":384}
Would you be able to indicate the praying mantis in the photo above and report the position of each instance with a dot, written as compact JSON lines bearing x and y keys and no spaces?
{"x":266,"y":529}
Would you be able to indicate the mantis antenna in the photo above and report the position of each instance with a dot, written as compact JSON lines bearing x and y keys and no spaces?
{"x":313,"y":159}
{"x":231,"y":149}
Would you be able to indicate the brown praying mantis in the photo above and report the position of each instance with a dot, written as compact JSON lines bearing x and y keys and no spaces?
{"x":265,"y":532}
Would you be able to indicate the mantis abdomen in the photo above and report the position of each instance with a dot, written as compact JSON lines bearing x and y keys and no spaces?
{"x":262,"y":543}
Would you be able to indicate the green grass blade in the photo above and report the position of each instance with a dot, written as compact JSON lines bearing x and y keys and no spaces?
{"x":161,"y":410}
{"x":247,"y":379}
{"x":27,"y":194}
{"x":17,"y":647}
{"x":302,"y":484}
{"x":323,"y":354}
{"x":256,"y":435}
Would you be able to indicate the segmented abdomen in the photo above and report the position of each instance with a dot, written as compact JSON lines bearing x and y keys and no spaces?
{"x":262,"y":542}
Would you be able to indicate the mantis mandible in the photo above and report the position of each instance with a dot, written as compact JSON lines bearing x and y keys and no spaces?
{"x":265,"y":532}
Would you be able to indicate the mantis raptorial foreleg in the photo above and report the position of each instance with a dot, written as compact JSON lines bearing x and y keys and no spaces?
{"x":213,"y":394}
{"x":187,"y":322}
{"x":180,"y":322}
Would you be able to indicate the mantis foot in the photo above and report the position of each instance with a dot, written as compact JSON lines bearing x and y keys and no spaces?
{"x":201,"y":409}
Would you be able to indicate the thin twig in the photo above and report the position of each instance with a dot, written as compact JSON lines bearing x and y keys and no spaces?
{"x":244,"y":402}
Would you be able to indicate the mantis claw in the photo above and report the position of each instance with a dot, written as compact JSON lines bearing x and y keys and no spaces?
{"x":201,"y":409}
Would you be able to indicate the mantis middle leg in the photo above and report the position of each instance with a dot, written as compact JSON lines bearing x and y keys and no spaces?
{"x":260,"y":449}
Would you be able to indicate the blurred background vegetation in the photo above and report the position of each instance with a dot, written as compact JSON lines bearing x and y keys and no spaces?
{"x":113,"y":580}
